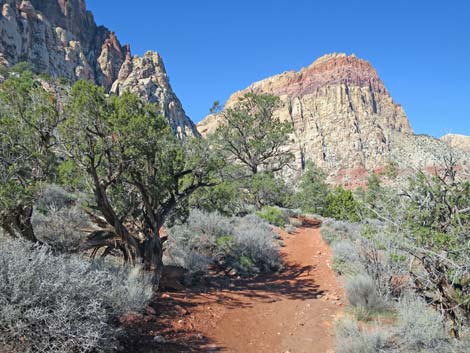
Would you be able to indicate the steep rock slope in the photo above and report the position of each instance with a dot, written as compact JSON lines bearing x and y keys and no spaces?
{"x":61,"y":38}
{"x":345,"y":120}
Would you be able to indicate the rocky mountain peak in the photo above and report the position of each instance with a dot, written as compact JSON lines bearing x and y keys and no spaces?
{"x":344,"y":119}
{"x":61,"y":38}
{"x":330,"y":69}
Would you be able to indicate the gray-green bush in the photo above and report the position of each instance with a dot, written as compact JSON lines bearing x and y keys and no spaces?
{"x":352,"y":339}
{"x":420,"y":328}
{"x":245,"y":243}
{"x":60,"y":228}
{"x":362,"y":294}
{"x":346,"y":260}
{"x":375,"y":250}
{"x":63,"y":303}
{"x":58,"y":219}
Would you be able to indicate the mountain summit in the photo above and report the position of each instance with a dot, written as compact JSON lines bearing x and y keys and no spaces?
{"x":345,"y":120}
{"x":61,"y":38}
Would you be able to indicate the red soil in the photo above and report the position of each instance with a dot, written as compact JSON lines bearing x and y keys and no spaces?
{"x":291,"y":311}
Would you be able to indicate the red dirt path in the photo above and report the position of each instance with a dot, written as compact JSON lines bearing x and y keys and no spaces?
{"x":289,"y":312}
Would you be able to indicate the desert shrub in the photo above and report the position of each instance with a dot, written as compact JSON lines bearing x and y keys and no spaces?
{"x":342,"y":205}
{"x":63,"y":303}
{"x":194,"y":244}
{"x":212,"y":225}
{"x":362,"y":294}
{"x":267,"y":189}
{"x":345,"y":258}
{"x":246,"y":243}
{"x":370,"y":248}
{"x":58,"y":219}
{"x":352,"y":339}
{"x":53,"y":196}
{"x":333,"y":230}
{"x":462,"y":345}
{"x":273,"y":215}
{"x":313,"y":190}
{"x":329,"y":235}
{"x":255,"y":244}
{"x":420,"y":328}
{"x":60,"y":228}
{"x":415,"y":244}
{"x":381,"y":255}
{"x":223,"y":198}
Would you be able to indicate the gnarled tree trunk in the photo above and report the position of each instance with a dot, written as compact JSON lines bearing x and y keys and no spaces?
{"x":18,"y":223}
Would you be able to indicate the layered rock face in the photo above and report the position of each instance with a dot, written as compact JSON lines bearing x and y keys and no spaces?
{"x":460,"y":142}
{"x":344,"y":119}
{"x":61,"y":38}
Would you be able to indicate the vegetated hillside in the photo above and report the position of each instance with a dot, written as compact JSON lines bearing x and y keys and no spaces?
{"x":345,"y":121}
{"x":61,"y":38}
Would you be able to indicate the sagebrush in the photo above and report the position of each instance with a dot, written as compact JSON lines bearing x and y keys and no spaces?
{"x":63,"y":303}
{"x":245,"y":243}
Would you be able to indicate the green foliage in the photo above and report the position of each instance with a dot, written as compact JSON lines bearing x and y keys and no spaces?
{"x":253,"y":142}
{"x":245,"y":262}
{"x":225,"y":243}
{"x":21,"y":68}
{"x":29,"y":116}
{"x":433,"y":213}
{"x":140,"y":174}
{"x":391,"y":170}
{"x":437,"y":222}
{"x":216,"y":107}
{"x":342,"y":205}
{"x":246,"y":244}
{"x":235,"y":196}
{"x":266,"y":189}
{"x":3,"y":72}
{"x":312,"y":194}
{"x":253,"y":137}
{"x":374,"y":189}
{"x":223,"y":198}
{"x":273,"y":215}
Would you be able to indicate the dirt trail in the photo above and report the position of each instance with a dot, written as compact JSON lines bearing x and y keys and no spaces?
{"x":290,"y":312}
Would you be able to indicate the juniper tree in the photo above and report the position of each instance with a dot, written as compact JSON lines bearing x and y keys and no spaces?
{"x":252,"y":136}
{"x":139,"y":173}
{"x":256,"y":144}
{"x":29,"y":116}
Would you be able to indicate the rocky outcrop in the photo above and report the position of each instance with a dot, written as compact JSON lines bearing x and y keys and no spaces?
{"x":460,"y":142}
{"x":344,"y":120}
{"x":146,"y":76}
{"x":61,"y":38}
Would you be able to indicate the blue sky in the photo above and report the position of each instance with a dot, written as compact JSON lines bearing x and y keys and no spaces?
{"x":212,"y":48}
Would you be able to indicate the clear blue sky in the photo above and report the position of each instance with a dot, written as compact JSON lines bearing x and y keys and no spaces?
{"x":212,"y":48}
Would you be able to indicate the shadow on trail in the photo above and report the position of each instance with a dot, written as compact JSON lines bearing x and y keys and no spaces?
{"x":293,"y":283}
{"x":140,"y":337}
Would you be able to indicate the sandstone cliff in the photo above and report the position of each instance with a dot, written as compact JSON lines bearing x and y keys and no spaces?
{"x":345,"y":120}
{"x":461,"y":142}
{"x":61,"y":38}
